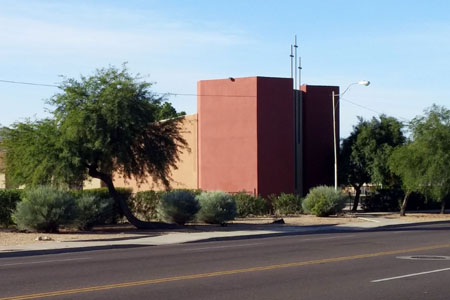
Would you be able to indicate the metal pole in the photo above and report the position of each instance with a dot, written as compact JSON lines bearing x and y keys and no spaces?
{"x":292,"y":64}
{"x":334,"y":142}
{"x":295,"y":54}
{"x":299,"y":72}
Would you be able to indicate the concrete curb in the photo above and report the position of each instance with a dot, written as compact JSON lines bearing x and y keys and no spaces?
{"x":49,"y":247}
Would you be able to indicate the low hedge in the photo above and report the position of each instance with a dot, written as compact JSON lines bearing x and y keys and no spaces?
{"x":113,"y":215}
{"x":144,"y":204}
{"x":45,"y":209}
{"x":178,"y":206}
{"x":216,"y":207}
{"x":323,"y":201}
{"x":287,"y":204}
{"x":8,"y":202}
{"x":383,"y":200}
{"x":247,"y":204}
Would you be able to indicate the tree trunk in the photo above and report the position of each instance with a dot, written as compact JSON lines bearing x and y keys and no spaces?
{"x":356,"y":200}
{"x":443,"y":206}
{"x":405,"y":202}
{"x":124,"y":206}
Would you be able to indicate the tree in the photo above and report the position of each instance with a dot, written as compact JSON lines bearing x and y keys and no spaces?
{"x":353,"y":167}
{"x":424,"y":164}
{"x":103,"y":124}
{"x":166,"y":111}
{"x":32,"y":155}
{"x":365,"y":152}
{"x":432,"y":131}
{"x":407,"y":163}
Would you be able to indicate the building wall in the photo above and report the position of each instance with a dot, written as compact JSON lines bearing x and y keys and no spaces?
{"x":246,"y":135}
{"x":2,"y":181}
{"x":185,"y":176}
{"x":318,"y":154}
{"x":276,"y":163}
{"x":2,"y":174}
{"x":92,"y":183}
{"x":227,"y":120}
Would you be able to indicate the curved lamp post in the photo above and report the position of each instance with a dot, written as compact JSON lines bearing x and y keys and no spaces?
{"x":361,"y":82}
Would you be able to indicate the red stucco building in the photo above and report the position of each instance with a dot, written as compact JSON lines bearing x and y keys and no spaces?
{"x":259,"y":134}
{"x":256,"y":134}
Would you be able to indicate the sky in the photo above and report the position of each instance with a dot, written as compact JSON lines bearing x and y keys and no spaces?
{"x":402,"y":47}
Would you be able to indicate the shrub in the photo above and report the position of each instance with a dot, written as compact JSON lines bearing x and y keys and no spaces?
{"x":216,"y":207}
{"x":8,"y":202}
{"x":323,"y":201}
{"x":417,"y":201}
{"x":250,"y":205}
{"x":92,"y":210}
{"x":115,"y":214}
{"x":383,"y":200}
{"x":45,"y":209}
{"x":287,"y":204}
{"x":178,"y":206}
{"x":144,"y":204}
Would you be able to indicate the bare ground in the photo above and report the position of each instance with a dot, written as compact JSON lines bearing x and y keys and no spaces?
{"x":12,"y":237}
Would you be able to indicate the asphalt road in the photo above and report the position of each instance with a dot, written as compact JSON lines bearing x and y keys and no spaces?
{"x":403,"y":263}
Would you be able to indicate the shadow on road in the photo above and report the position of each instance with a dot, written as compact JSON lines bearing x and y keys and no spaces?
{"x":280,"y":231}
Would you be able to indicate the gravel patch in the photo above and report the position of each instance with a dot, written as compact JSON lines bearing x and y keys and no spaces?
{"x":11,"y":237}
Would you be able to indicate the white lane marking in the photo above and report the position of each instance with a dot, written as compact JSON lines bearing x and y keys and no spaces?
{"x":370,"y":220}
{"x":220,"y":247}
{"x":44,"y":261}
{"x":411,"y":275}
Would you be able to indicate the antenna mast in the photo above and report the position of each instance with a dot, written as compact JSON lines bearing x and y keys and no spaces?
{"x":292,"y":63}
{"x":295,"y":54}
{"x":300,"y":72}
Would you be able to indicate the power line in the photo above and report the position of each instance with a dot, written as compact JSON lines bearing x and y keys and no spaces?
{"x":28,"y":83}
{"x":370,"y":109}
{"x":163,"y":94}
{"x":195,"y":95}
{"x":206,"y":95}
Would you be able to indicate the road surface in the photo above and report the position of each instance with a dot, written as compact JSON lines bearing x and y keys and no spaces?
{"x":404,"y":263}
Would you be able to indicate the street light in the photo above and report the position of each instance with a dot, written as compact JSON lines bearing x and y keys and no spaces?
{"x":333,"y":95}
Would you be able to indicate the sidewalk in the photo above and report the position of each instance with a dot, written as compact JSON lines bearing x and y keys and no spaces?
{"x":368,"y":221}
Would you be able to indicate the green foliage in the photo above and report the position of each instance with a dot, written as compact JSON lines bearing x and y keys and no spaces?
{"x":431,"y":133}
{"x":92,"y":211}
{"x":144,"y":204}
{"x":102,"y":124}
{"x":8,"y":201}
{"x":166,"y":111}
{"x":250,"y":205}
{"x":178,"y":206}
{"x":364,"y":154}
{"x":108,"y":123}
{"x":424,"y":164}
{"x":33,"y":155}
{"x":110,"y":216}
{"x":287,"y":204}
{"x":418,"y":201}
{"x":353,"y":167}
{"x":323,"y":201}
{"x":45,"y":209}
{"x":408,"y":163}
{"x":217,"y":207}
{"x":383,"y":200}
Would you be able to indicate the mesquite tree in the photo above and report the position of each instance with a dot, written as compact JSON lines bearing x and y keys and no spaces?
{"x":424,"y":163}
{"x":102,"y":124}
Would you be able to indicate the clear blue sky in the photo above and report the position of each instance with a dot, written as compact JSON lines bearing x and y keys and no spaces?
{"x":402,"y":47}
